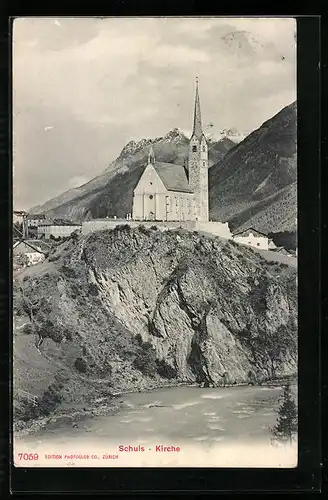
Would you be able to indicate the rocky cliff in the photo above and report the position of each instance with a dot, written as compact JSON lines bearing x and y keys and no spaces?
{"x":134,"y":309}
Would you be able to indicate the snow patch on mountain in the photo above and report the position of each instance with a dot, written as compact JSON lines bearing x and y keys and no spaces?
{"x":214,"y":135}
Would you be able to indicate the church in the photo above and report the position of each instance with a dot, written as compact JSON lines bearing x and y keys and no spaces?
{"x":169,"y":192}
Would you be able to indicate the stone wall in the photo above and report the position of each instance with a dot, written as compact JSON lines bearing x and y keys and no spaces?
{"x":213,"y":228}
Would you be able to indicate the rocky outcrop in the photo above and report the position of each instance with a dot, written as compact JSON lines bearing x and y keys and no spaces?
{"x":142,"y":308}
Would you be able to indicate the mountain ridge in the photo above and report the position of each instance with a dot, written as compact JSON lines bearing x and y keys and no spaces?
{"x":172,"y":148}
{"x":251,"y":183}
{"x":260,"y":168}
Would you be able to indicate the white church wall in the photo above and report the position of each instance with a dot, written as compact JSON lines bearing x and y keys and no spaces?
{"x":150,"y":182}
{"x":137,"y":206}
{"x":180,"y":206}
{"x":161,"y":201}
{"x":149,"y":196}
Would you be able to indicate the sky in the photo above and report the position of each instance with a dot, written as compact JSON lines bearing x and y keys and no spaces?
{"x":84,"y":87}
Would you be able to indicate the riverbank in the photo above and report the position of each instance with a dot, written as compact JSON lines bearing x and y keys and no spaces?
{"x":209,"y":426}
{"x":75,"y":417}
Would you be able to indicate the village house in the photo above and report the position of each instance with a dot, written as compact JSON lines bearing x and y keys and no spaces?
{"x":33,"y":220}
{"x":253,"y":238}
{"x":57,"y":230}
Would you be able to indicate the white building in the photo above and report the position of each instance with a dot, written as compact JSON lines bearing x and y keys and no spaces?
{"x":34,"y":220}
{"x":170,"y":192}
{"x":252,"y":238}
{"x":172,"y":196}
{"x":49,"y":229}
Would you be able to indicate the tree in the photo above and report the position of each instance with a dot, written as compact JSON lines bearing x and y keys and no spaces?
{"x":286,"y":427}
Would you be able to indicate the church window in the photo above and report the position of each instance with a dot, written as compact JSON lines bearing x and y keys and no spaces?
{"x":204,"y":164}
{"x":151,"y":197}
{"x":151,"y":183}
{"x":204,"y":148}
{"x":194,"y":148}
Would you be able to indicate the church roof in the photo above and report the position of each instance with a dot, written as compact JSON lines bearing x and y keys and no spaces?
{"x":35,"y":217}
{"x":174,"y":177}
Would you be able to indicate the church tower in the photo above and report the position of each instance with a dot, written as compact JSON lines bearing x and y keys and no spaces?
{"x":198,"y":164}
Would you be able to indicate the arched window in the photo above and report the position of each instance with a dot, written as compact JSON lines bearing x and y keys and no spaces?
{"x":194,"y":149}
{"x":204,"y":149}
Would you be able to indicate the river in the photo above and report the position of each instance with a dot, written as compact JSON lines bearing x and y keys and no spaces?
{"x":211,"y":427}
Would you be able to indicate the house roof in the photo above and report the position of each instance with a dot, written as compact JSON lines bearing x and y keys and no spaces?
{"x":174,"y":177}
{"x":60,"y":223}
{"x":34,"y":245}
{"x":248,"y":230}
{"x":35,"y":217}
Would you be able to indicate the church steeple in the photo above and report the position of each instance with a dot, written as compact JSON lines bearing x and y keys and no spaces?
{"x":151,"y":156}
{"x":197,"y":130}
{"x":198,"y":164}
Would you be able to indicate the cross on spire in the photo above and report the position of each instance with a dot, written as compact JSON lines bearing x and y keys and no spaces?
{"x":197,"y":130}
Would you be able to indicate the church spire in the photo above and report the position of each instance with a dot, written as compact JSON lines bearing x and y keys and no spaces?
{"x":151,"y":156}
{"x":197,"y":130}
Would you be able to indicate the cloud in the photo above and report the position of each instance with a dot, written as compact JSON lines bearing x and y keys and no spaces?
{"x":101,"y":82}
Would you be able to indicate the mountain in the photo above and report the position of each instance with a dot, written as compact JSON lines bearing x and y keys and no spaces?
{"x":230,"y":134}
{"x":134,"y":309}
{"x":255,"y":183}
{"x":80,"y":203}
{"x":251,"y":183}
